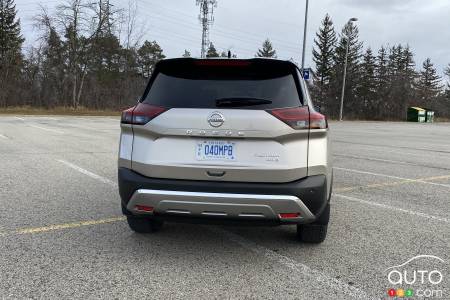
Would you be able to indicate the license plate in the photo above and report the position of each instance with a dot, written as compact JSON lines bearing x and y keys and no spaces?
{"x":215,"y":150}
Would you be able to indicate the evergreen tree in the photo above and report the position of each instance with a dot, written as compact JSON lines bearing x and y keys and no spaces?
{"x":407,"y":78}
{"x":368,"y":87}
{"x":402,"y":74}
{"x":148,"y":55}
{"x":10,"y":38}
{"x":350,"y":34}
{"x":186,"y":53}
{"x":10,"y":51}
{"x":212,"y":52}
{"x":267,"y":50}
{"x":428,"y":84}
{"x":323,"y":54}
{"x":325,"y":42}
{"x":53,"y":70}
{"x":382,"y":81}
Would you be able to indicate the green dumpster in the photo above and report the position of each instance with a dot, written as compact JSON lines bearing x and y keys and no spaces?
{"x":416,"y":114}
{"x":429,"y":115}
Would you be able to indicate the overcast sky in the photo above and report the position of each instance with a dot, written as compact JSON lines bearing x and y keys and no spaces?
{"x":243,"y":25}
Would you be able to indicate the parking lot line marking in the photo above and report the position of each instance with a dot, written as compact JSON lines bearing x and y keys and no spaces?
{"x":3,"y":136}
{"x":87,"y":173}
{"x":378,"y":159}
{"x":297,"y":267}
{"x":47,"y":129}
{"x":403,"y":180}
{"x":399,"y":147}
{"x":67,"y":225}
{"x":393,"y":208}
{"x":21,"y":119}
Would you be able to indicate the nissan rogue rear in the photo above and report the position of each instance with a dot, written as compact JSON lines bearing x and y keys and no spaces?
{"x":226,"y":141}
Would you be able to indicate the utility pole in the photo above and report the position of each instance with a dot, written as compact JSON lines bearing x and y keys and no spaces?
{"x":206,"y":19}
{"x":305,"y":28}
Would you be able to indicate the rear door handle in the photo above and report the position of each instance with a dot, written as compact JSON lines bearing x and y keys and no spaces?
{"x":215,"y":174}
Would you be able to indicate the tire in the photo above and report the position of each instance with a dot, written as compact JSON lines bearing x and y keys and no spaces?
{"x":143,"y":225}
{"x":315,"y":232}
{"x":312,"y":233}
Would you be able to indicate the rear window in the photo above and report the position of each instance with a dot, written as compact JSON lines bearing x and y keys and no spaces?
{"x":225,"y":87}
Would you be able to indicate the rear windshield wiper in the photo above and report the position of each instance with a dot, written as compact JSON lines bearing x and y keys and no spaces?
{"x":240,"y":101}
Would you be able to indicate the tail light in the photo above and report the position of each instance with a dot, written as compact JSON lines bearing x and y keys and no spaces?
{"x":317,"y":121}
{"x":141,"y":114}
{"x":300,"y":118}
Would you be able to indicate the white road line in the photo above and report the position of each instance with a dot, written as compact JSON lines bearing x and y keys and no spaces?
{"x":393,"y":208}
{"x":378,"y":159}
{"x":21,"y":119}
{"x":3,"y":136}
{"x":301,"y":270}
{"x":47,"y":129}
{"x":393,"y":177}
{"x":421,"y":155}
{"x":88,"y":173}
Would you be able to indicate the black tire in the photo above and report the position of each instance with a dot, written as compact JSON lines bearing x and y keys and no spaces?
{"x":312,"y":233}
{"x":315,"y":232}
{"x":143,"y":225}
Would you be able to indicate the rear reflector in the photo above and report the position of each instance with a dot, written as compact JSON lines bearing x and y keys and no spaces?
{"x":141,"y":114}
{"x":143,"y":208}
{"x":300,"y":118}
{"x":289,"y":215}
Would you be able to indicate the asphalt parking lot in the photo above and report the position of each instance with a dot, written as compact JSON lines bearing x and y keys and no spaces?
{"x":62,"y":234}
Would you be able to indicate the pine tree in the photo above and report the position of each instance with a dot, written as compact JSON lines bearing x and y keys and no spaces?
{"x":350,"y":34}
{"x":402,"y":75}
{"x":53,"y":70}
{"x":408,"y":77}
{"x":212,"y":52}
{"x":267,"y":50}
{"x":10,"y":38}
{"x":428,"y":86}
{"x":368,"y":87}
{"x":148,"y":55}
{"x":382,"y":81}
{"x":10,"y":52}
{"x":325,"y":42}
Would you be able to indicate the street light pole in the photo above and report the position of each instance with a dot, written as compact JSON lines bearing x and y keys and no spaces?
{"x":345,"y":71}
{"x":304,"y":35}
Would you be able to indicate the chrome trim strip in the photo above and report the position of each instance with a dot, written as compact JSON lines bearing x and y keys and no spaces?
{"x":216,"y":195}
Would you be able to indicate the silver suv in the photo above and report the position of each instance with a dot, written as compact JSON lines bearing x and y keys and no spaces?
{"x":226,"y":141}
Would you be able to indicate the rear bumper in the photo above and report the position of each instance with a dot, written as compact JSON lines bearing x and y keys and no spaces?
{"x":259,"y":202}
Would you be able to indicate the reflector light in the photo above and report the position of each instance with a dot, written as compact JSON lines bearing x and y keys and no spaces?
{"x":144,"y":208}
{"x":289,"y":215}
